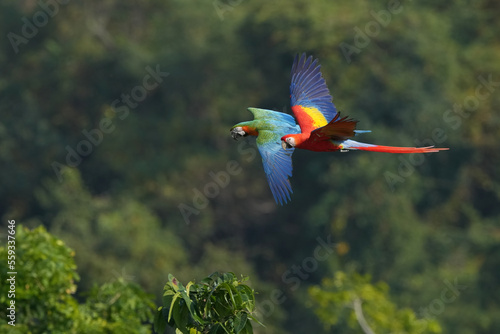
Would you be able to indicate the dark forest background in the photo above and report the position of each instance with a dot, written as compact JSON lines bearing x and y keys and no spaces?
{"x":116,"y":114}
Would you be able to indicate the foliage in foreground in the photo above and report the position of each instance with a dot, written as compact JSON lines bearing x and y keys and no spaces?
{"x":221,"y":303}
{"x":353,"y":299}
{"x":45,"y":284}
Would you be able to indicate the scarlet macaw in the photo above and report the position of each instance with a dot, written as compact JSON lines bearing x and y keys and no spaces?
{"x":322,"y":129}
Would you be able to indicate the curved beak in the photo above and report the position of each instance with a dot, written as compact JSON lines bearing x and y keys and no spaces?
{"x":237,"y":132}
{"x":234,"y":134}
{"x":285,"y":145}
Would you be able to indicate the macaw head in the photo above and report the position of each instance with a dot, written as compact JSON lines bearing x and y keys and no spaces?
{"x":288,"y":141}
{"x":243,"y":130}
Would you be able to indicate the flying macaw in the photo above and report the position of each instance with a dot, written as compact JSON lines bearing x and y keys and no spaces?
{"x":269,"y":126}
{"x":322,"y":129}
{"x":319,"y":128}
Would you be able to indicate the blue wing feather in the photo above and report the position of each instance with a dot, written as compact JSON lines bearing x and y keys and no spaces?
{"x":278,"y":167}
{"x":277,"y":162}
{"x":308,"y":87}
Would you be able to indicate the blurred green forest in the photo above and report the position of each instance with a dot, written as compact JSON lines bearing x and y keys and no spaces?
{"x":115,"y":118}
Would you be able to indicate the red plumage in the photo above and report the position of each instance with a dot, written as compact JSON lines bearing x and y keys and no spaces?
{"x":322,"y":129}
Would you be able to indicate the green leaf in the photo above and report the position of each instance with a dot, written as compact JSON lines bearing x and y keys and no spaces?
{"x":240,"y":321}
{"x":248,"y":328}
{"x":207,"y":281}
{"x":225,"y":329}
{"x":181,"y":316}
{"x":173,"y":305}
{"x":228,"y":277}
{"x":159,"y":322}
{"x":222,"y":308}
{"x":190,"y":305}
{"x":214,"y":329}
{"x":188,"y":286}
{"x":168,"y":296}
{"x":247,"y":297}
{"x":255,"y":319}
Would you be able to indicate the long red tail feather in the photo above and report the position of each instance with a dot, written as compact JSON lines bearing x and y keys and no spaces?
{"x":394,"y":149}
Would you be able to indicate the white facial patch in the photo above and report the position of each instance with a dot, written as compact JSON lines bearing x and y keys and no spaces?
{"x":239,"y":131}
